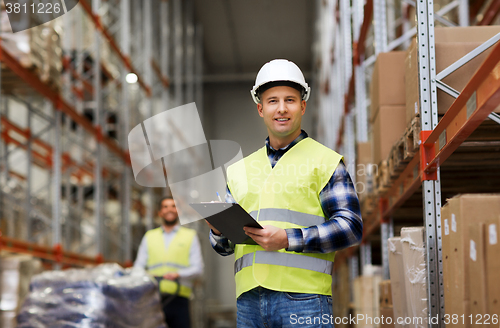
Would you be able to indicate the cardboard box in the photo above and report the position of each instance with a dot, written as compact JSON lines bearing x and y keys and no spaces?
{"x":385,"y":294}
{"x":477,"y":272}
{"x":451,"y":45}
{"x":364,"y":169}
{"x":446,"y":251}
{"x":387,"y":317}
{"x":493,"y":267}
{"x":415,"y":274}
{"x":464,"y":210}
{"x":387,"y":84}
{"x":396,"y":270}
{"x":411,"y":83}
{"x":366,"y":300}
{"x":388,"y":127}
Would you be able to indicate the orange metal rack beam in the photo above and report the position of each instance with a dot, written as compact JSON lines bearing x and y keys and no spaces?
{"x":44,"y":158}
{"x":32,"y":79}
{"x":55,"y":254}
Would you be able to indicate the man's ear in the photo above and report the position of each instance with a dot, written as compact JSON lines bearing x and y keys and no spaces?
{"x":259,"y":109}
{"x":303,"y":105}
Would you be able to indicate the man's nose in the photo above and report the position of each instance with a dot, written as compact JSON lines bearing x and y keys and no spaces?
{"x":282,"y":107}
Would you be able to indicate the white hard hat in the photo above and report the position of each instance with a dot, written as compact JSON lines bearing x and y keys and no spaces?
{"x":280,"y":70}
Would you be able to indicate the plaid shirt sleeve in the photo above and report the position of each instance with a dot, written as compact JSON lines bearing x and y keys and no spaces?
{"x":221,"y":244}
{"x":343,"y":229}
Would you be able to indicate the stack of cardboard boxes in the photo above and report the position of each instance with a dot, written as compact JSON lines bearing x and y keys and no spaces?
{"x":451,"y":45}
{"x":471,"y":265}
{"x":387,"y":93}
{"x":367,"y":298}
{"x":394,"y":92}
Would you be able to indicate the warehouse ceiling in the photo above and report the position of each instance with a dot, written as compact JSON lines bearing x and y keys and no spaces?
{"x":241,"y":35}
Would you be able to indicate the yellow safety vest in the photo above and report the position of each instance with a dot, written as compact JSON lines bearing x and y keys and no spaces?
{"x":175,"y":257}
{"x":286,"y":196}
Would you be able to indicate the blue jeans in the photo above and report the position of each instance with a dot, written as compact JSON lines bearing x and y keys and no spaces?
{"x":264,"y":308}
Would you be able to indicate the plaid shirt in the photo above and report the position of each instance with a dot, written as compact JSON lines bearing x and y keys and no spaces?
{"x":339,"y":201}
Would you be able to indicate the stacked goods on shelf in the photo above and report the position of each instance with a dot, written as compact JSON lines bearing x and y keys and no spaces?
{"x":415,"y":274}
{"x":470,"y":257}
{"x":452,"y":43}
{"x":104,"y":296}
{"x":37,"y":48}
{"x":15,"y":276}
{"x":50,"y":43}
{"x":387,"y":113}
{"x":397,"y":273}
{"x":386,"y":308}
{"x":19,"y":45}
{"x":392,"y":149}
{"x":108,"y":60}
{"x":366,"y":298}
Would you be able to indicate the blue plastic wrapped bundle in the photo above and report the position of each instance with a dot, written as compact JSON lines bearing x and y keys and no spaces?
{"x":106,"y":296}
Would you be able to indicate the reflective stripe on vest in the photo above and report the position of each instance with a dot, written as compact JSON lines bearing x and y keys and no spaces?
{"x":294,"y":217}
{"x":177,"y":256}
{"x":167,"y":264}
{"x":284,"y":259}
{"x":286,"y":196}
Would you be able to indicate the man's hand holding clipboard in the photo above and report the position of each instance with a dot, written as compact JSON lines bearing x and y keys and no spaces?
{"x":271,"y":238}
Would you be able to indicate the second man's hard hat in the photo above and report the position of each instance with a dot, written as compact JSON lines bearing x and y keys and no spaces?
{"x":280,"y":70}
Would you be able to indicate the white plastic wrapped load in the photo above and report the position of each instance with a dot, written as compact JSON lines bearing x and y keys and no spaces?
{"x":105,"y":296}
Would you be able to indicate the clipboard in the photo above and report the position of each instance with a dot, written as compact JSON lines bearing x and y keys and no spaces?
{"x":229,"y":219}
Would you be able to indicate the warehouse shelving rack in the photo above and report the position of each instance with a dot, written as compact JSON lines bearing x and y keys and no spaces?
{"x":439,"y":140}
{"x":81,"y":156}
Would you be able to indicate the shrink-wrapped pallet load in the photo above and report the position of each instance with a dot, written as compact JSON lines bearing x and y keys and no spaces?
{"x":104,"y":296}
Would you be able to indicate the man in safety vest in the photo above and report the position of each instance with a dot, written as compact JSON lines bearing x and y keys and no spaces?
{"x":172,"y":254}
{"x":301,"y":193}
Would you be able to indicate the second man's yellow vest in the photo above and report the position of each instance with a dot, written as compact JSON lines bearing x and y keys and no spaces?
{"x":161,"y":260}
{"x":286,"y":196}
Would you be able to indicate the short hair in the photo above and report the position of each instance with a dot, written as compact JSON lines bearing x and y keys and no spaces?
{"x":273,"y":84}
{"x":162,"y":199}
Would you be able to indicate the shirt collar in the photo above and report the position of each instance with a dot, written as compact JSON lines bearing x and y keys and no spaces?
{"x":176,"y":227}
{"x":302,"y":135}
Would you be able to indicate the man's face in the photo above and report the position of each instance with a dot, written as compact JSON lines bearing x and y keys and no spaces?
{"x":282,"y":108}
{"x":168,"y":212}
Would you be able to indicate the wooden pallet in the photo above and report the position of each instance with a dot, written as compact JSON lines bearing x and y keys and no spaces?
{"x":412,"y":139}
{"x":382,"y":178}
{"x":396,"y":160}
